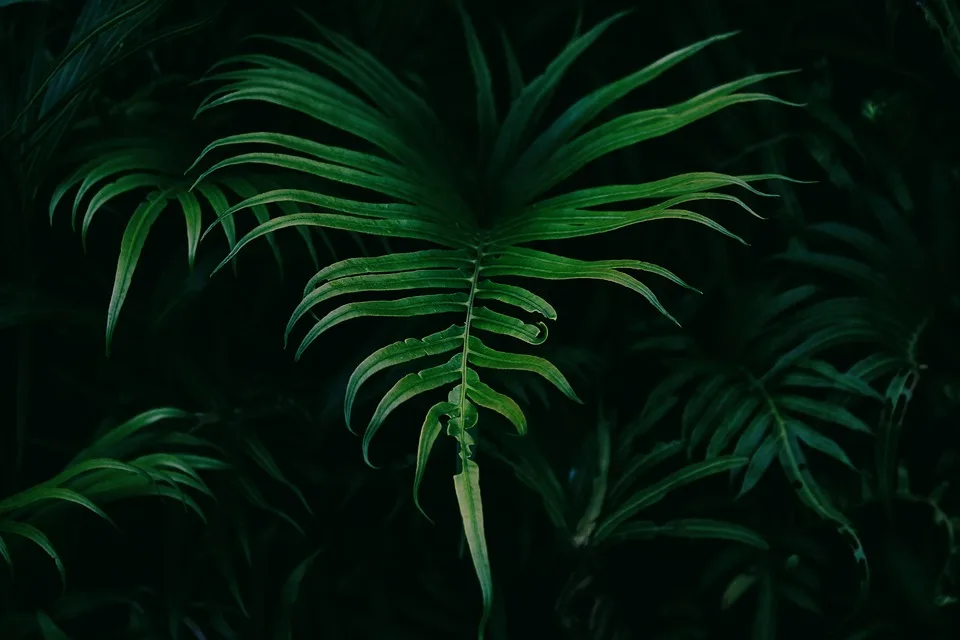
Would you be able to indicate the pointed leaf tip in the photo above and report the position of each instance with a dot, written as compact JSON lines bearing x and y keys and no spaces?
{"x":467,"y":485}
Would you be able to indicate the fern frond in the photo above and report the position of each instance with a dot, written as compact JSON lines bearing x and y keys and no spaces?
{"x":420,"y":190}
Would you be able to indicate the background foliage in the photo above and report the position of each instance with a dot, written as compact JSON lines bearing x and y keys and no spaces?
{"x":196,"y":482}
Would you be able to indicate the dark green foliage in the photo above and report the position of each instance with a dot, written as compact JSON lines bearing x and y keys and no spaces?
{"x":744,"y":439}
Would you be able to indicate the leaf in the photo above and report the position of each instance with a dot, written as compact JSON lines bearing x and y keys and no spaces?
{"x":36,"y":536}
{"x":483,"y":356}
{"x":656,"y":492}
{"x":262,"y":456}
{"x":487,"y":398}
{"x":486,"y":320}
{"x":532,"y":469}
{"x":192,"y":217}
{"x":131,"y":245}
{"x":690,"y":528}
{"x":598,"y":492}
{"x":737,"y":587}
{"x":527,"y":108}
{"x":408,"y":387}
{"x":759,"y":463}
{"x":514,"y":73}
{"x":245,"y":189}
{"x":40,"y":493}
{"x":467,"y":485}
{"x":290,"y":595}
{"x":486,"y":107}
{"x":392,"y":263}
{"x":48,"y":628}
{"x":679,"y":185}
{"x":426,"y":279}
{"x":363,"y":162}
{"x":218,"y":202}
{"x":5,"y":552}
{"x":592,"y":105}
{"x":233,"y":586}
{"x":824,"y":376}
{"x":414,"y":229}
{"x":632,"y":128}
{"x":515,"y":296}
{"x":78,"y":43}
{"x":828,"y":412}
{"x":123,"y":184}
{"x":820,"y":442}
{"x":428,"y":435}
{"x":253,"y":494}
{"x":765,"y":623}
{"x":402,"y":308}
{"x":117,"y":435}
{"x":530,"y":263}
{"x":640,"y":464}
{"x":399,"y":353}
{"x":733,"y":422}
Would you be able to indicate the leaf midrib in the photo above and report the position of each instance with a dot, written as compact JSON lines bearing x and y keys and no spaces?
{"x":462,"y":401}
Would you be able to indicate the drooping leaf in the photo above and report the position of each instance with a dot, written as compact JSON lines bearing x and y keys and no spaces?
{"x":467,"y":484}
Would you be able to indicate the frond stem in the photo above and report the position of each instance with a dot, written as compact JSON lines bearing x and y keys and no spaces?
{"x":462,"y":437}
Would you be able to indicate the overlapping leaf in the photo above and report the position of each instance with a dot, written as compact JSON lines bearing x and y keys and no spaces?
{"x":153,"y":166}
{"x":104,"y":472}
{"x":777,"y":399}
{"x":894,"y":284}
{"x":773,"y":401}
{"x":617,"y":492}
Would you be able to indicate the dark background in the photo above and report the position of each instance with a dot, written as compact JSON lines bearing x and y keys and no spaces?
{"x":883,"y":104}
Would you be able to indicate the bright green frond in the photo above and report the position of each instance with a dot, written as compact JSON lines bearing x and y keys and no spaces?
{"x":422,"y":191}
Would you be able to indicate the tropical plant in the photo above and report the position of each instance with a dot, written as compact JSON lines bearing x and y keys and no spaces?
{"x":829,"y":345}
{"x":481,"y":208}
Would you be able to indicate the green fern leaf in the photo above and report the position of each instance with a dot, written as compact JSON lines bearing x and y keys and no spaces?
{"x":422,"y":191}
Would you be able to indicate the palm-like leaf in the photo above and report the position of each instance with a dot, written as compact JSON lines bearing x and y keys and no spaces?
{"x":896,"y":261}
{"x":769,"y":388}
{"x":768,"y":398}
{"x":480,"y":215}
{"x":142,"y":458}
{"x":110,"y":469}
{"x":895,"y":285}
{"x":42,"y":99}
{"x":112,"y":168}
{"x":894,"y":269}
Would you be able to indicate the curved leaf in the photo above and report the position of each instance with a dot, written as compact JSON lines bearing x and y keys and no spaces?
{"x":656,"y":492}
{"x":695,"y":528}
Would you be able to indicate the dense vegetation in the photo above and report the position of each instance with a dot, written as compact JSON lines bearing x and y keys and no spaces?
{"x":741,"y":427}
